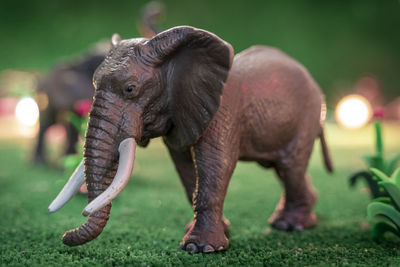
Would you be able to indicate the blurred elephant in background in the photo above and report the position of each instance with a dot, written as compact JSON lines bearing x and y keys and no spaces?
{"x":65,"y":86}
{"x":69,"y":83}
{"x":212,"y":109}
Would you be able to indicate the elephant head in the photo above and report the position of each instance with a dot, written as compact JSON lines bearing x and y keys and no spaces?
{"x":168,"y":86}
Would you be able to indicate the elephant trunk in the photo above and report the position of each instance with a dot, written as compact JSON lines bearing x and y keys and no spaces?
{"x":102,"y":169}
{"x":89,"y":230}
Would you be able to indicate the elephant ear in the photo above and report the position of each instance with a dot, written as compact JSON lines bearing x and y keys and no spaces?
{"x":194,"y":66}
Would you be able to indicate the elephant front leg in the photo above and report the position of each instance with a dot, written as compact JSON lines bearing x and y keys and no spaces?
{"x":72,"y":138}
{"x":185,"y":168}
{"x":213,"y":168}
{"x":47,"y":118}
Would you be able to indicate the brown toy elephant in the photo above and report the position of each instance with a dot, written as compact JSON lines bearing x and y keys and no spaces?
{"x":212,"y":110}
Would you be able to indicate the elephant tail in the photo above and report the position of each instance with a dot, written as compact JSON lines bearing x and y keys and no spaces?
{"x":325,"y":152}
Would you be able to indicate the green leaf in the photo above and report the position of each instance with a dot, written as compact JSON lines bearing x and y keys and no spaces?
{"x":84,"y":126}
{"x":370,"y":180}
{"x":361,"y":174}
{"x":386,"y":200}
{"x":393,"y":191}
{"x":381,"y":176}
{"x":380,"y":228}
{"x":384,"y":210}
{"x":79,"y":123}
{"x":392,"y":163}
{"x":370,"y":161}
{"x":396,"y":177}
{"x":76,"y":121}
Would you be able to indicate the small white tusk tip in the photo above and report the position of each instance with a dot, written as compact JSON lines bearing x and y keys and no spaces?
{"x":52,"y":209}
{"x":85,"y":213}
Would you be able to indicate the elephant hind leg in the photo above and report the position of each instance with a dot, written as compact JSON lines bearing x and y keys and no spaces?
{"x":295,"y":215}
{"x":294,"y":210}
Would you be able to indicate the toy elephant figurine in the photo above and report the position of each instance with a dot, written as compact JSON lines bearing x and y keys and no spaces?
{"x":212,"y":109}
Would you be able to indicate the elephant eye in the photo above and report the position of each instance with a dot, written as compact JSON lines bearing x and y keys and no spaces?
{"x":130,"y":89}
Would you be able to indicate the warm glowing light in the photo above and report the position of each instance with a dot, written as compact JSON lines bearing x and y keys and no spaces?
{"x":353,"y":111}
{"x":27,"y":111}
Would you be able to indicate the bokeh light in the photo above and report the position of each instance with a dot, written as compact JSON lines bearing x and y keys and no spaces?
{"x":27,"y":111}
{"x":353,"y":111}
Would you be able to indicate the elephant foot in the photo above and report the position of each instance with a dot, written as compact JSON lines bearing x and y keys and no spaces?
{"x":197,"y":241}
{"x":293,"y":220}
{"x":293,"y":217}
{"x":297,"y":214}
{"x":225,"y":222}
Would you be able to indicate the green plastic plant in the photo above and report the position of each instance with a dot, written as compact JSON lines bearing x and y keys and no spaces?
{"x":80,"y":123}
{"x":387,"y":209}
{"x":70,"y":162}
{"x":376,"y":161}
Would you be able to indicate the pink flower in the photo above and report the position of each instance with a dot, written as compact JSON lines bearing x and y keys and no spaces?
{"x":82,"y":107}
{"x":379,"y":113}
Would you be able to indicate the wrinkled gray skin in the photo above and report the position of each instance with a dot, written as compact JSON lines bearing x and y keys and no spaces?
{"x":212,"y":110}
{"x":64,"y":86}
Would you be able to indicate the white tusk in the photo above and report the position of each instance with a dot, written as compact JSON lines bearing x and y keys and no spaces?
{"x":69,"y":190}
{"x":127,"y":151}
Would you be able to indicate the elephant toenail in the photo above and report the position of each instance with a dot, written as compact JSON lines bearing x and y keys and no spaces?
{"x":208,"y":249}
{"x":191,"y":248}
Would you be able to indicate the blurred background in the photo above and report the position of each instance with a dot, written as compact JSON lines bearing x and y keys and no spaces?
{"x":339,"y":42}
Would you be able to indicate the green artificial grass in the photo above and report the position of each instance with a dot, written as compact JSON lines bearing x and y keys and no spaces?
{"x":148,"y":218}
